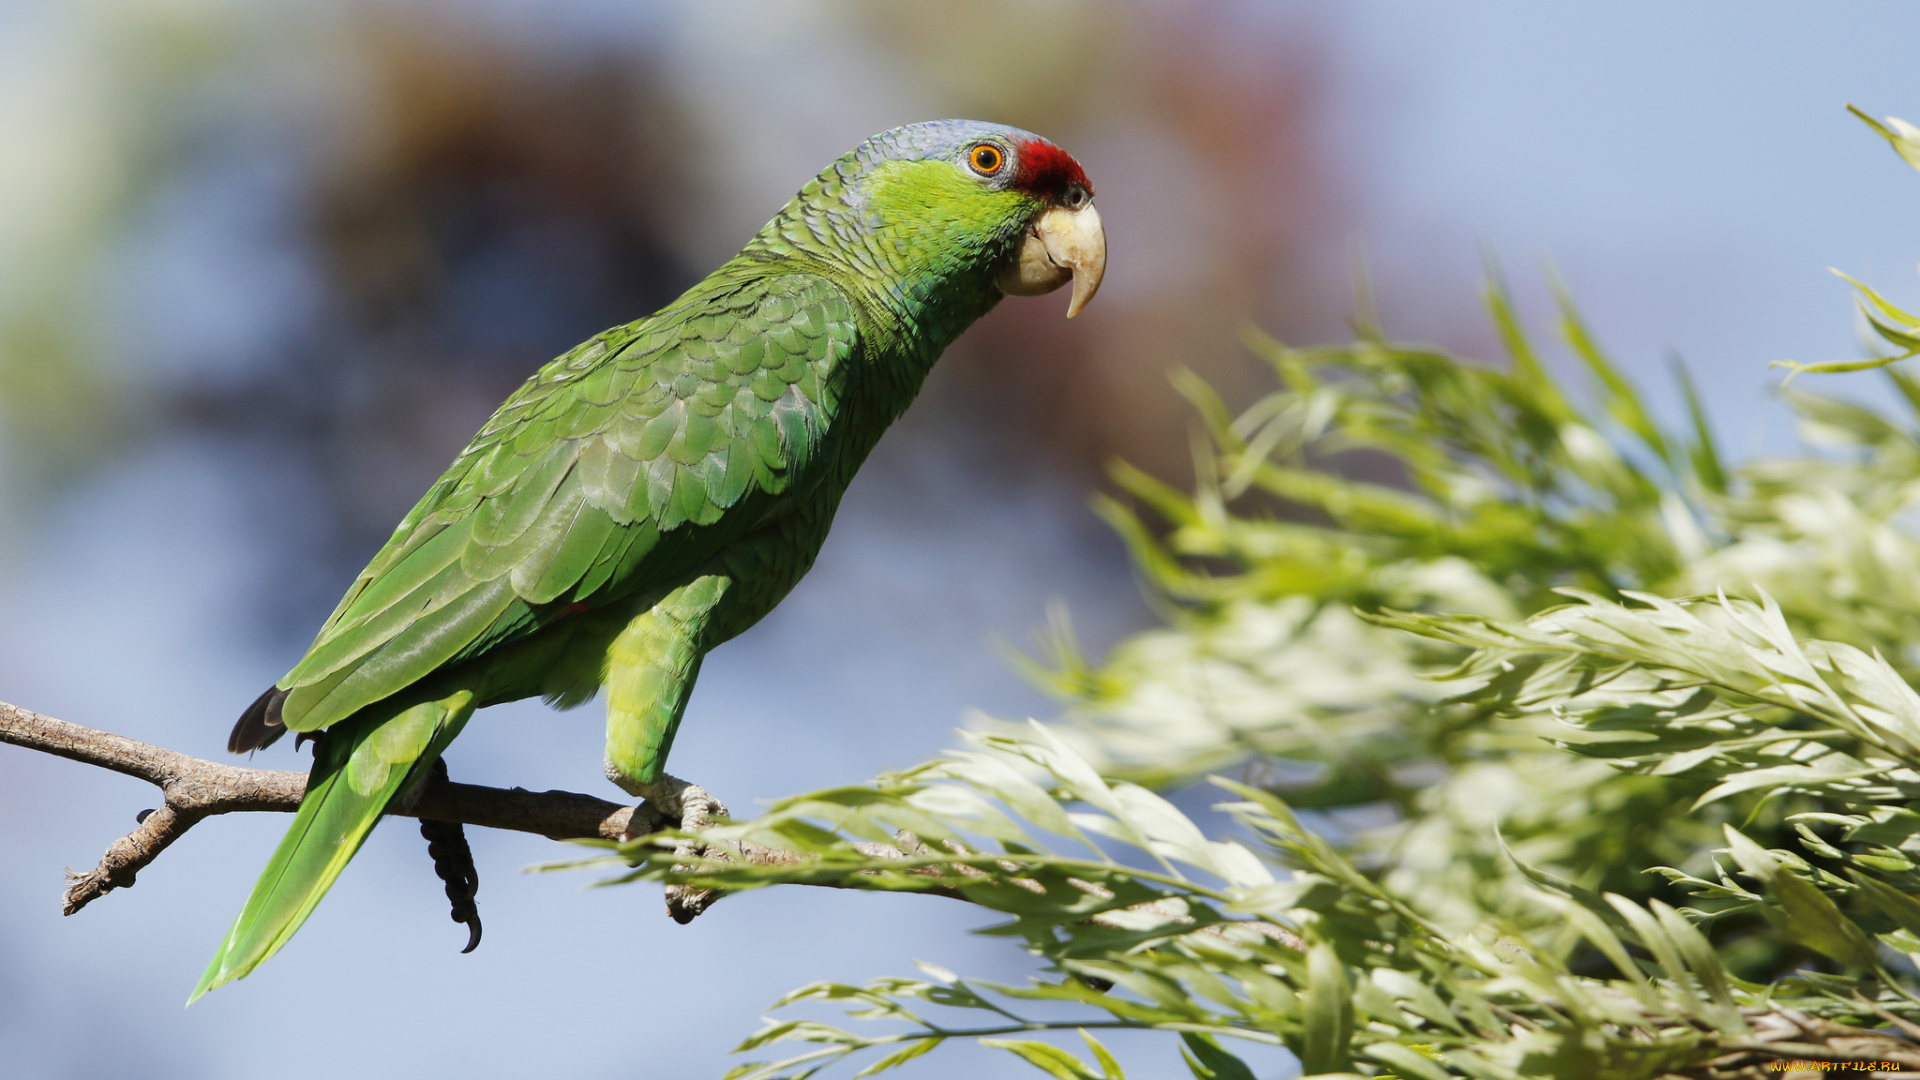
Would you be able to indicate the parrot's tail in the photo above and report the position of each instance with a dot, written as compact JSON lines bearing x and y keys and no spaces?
{"x":361,"y":765}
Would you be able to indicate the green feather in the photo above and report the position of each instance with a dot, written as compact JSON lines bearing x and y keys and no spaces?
{"x":359,"y":771}
{"x":423,"y":562}
{"x":355,"y":638}
{"x":661,"y":506}
{"x":430,"y":641}
{"x":501,"y":519}
{"x":660,"y":431}
{"x":565,"y":561}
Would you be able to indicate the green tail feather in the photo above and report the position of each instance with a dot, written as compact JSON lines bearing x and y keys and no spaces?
{"x":364,"y":764}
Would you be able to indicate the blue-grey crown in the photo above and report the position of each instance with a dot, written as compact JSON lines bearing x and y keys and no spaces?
{"x":934,"y":140}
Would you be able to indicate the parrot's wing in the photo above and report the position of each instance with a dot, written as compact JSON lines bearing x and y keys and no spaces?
{"x":631,"y":459}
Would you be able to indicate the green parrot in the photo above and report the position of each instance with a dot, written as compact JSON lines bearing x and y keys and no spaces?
{"x":658,"y":489}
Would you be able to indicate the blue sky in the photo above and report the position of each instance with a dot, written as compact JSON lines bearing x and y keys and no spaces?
{"x":1690,"y":169}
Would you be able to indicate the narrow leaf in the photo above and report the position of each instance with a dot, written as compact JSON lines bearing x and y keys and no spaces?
{"x":1047,"y":1058}
{"x":900,"y":1057}
{"x":1327,"y":1012}
{"x":1799,"y":909}
{"x":1108,"y":1066}
{"x":1210,"y":1062}
{"x":1889,"y":901}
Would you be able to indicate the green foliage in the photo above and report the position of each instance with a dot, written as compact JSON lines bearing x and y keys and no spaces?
{"x":1563,"y":747}
{"x":1721,"y":689}
{"x":1890,"y":324}
{"x":1145,"y":924}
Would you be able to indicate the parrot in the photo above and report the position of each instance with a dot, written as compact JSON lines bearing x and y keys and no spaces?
{"x":655,"y":491}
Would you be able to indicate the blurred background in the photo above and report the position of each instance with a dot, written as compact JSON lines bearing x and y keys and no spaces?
{"x":264,"y":267}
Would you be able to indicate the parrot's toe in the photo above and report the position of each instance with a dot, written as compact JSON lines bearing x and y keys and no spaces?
{"x":672,"y":799}
{"x":676,"y":801}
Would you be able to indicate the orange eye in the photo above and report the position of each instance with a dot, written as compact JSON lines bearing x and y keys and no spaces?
{"x":986,"y":159}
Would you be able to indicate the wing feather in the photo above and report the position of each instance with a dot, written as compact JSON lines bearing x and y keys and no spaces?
{"x":630,"y":459}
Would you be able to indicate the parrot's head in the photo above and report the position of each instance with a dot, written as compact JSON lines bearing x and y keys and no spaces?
{"x":953,"y":208}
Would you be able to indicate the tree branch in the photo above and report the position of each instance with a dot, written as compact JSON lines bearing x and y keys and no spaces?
{"x":193,"y":788}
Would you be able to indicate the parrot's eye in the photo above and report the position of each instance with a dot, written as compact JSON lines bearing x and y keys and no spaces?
{"x":986,"y":159}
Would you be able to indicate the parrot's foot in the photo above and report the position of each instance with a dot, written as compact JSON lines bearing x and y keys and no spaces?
{"x":452,"y":858}
{"x":676,"y":800}
{"x":692,"y":808}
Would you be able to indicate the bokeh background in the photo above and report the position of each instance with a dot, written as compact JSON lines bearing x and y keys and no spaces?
{"x":265,"y":266}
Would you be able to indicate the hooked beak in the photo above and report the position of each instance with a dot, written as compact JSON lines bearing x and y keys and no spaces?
{"x":1059,"y":244}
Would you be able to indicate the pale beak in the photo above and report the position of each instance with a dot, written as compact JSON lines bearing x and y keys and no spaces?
{"x":1059,"y":244}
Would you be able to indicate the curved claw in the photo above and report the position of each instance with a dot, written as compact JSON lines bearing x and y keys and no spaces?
{"x":473,"y":931}
{"x":453,"y":863}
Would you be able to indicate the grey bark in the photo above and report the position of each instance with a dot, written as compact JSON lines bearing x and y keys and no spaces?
{"x":193,"y":789}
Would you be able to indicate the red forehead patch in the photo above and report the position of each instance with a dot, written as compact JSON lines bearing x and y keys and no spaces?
{"x":1045,"y":170}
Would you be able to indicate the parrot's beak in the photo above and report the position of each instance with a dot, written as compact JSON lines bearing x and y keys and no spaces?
{"x":1059,"y":244}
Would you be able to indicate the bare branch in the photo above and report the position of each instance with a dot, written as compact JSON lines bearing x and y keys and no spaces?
{"x":194,"y":788}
